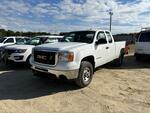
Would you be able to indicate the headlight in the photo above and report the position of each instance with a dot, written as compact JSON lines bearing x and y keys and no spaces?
{"x":20,"y":51}
{"x":66,"y":56}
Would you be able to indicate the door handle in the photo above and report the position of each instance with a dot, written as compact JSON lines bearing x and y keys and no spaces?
{"x":107,"y":47}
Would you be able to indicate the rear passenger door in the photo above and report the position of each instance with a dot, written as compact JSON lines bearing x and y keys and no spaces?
{"x":111,"y":46}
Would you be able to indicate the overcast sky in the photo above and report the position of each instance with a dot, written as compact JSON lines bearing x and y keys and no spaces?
{"x":67,"y":15}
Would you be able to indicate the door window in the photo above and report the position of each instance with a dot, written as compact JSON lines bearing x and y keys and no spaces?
{"x":145,"y":37}
{"x":102,"y":37}
{"x":9,"y":40}
{"x":109,"y":37}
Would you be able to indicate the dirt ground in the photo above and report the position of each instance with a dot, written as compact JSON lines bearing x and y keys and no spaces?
{"x":113,"y":90}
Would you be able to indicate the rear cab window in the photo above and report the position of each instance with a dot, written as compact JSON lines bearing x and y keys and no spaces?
{"x":144,"y":37}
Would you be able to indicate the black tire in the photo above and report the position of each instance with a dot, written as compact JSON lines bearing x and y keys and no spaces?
{"x":119,"y":61}
{"x":138,"y":58}
{"x":28,"y":61}
{"x":85,"y":74}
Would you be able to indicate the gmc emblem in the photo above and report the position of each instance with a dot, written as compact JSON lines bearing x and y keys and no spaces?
{"x":42,"y":57}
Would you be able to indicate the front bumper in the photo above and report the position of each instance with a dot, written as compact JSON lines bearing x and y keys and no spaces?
{"x":15,"y":57}
{"x":69,"y":74}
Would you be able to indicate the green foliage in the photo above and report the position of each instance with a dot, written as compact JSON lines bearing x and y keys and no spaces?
{"x":4,"y":32}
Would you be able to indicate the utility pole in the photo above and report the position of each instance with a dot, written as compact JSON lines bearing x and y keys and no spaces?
{"x":110,"y":13}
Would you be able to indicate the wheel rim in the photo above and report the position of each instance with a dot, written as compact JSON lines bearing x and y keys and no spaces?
{"x":86,"y":74}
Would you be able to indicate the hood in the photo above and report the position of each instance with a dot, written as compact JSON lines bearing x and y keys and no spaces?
{"x":60,"y":46}
{"x":20,"y":46}
{"x":1,"y":44}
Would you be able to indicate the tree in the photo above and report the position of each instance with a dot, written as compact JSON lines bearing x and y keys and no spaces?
{"x":4,"y":32}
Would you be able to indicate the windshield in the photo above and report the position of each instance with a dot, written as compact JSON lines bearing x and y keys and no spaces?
{"x":2,"y":40}
{"x":36,"y":41}
{"x":51,"y":40}
{"x":80,"y":36}
{"x":144,"y":37}
{"x":22,"y":40}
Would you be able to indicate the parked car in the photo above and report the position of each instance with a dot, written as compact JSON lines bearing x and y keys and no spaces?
{"x":17,"y":40}
{"x":22,"y":52}
{"x":142,"y":45}
{"x":77,"y":56}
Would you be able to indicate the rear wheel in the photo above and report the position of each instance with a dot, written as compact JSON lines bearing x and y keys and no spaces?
{"x":119,"y":61}
{"x":138,"y":57}
{"x":85,"y":74}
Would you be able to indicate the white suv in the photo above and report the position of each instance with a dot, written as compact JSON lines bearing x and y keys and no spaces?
{"x":22,"y":52}
{"x":8,"y":41}
{"x":142,"y":45}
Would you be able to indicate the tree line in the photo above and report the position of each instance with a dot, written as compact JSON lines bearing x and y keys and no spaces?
{"x":124,"y":37}
{"x":4,"y":32}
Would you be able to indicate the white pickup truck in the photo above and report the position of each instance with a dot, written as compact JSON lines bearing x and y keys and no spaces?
{"x":77,"y":55}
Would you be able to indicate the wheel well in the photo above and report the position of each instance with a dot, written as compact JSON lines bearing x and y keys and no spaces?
{"x":90,"y":59}
{"x":28,"y":57}
{"x":122,"y":51}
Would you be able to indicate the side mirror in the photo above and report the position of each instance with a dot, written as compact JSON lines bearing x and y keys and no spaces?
{"x":101,"y":41}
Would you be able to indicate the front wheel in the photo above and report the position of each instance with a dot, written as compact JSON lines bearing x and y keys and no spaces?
{"x":85,"y":74}
{"x":28,"y":61}
{"x":37,"y":74}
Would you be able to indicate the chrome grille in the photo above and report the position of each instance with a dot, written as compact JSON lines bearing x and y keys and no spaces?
{"x":45,"y":57}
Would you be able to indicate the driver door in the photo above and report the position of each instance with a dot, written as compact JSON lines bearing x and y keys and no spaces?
{"x":101,"y":49}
